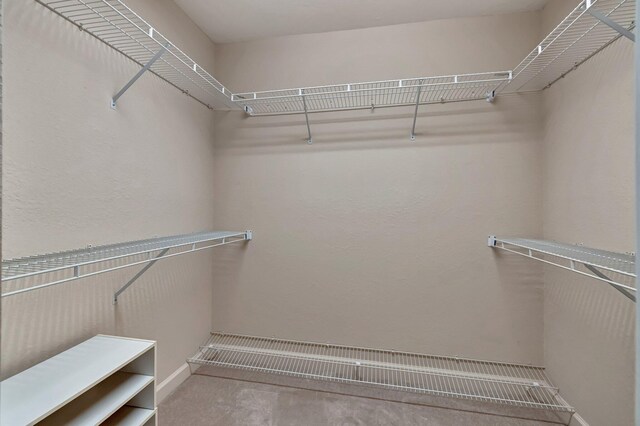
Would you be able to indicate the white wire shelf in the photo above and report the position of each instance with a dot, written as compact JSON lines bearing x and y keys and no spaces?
{"x":61,"y":267}
{"x":613,"y":268}
{"x":113,"y":23}
{"x":576,"y":39}
{"x":513,"y":384}
{"x":374,"y":94}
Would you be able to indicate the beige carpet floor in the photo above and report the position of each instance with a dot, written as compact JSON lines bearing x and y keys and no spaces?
{"x":214,"y":401}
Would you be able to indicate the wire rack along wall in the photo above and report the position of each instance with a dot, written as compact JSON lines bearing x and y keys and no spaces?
{"x":616,"y":269}
{"x":590,"y":27}
{"x":374,"y":94}
{"x":513,"y":384}
{"x":576,"y":39}
{"x":113,"y":23}
{"x":61,"y":267}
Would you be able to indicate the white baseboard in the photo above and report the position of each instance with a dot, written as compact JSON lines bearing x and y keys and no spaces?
{"x":174,"y":380}
{"x":576,"y":420}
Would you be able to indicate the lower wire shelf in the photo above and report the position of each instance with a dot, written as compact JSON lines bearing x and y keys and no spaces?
{"x":512,"y":384}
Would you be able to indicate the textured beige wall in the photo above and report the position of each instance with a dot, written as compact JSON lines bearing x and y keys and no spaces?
{"x":589,"y":199}
{"x":77,"y":173}
{"x":366,"y":238}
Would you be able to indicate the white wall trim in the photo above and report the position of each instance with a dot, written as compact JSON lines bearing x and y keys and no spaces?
{"x":174,"y":380}
{"x":577,"y":420}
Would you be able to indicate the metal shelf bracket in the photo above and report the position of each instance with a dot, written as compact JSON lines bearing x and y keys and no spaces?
{"x":608,"y":21}
{"x":306,"y":116}
{"x":569,"y":257}
{"x":138,"y":275}
{"x":415,"y":112}
{"x":248,"y":236}
{"x":608,"y":280}
{"x":138,"y":75}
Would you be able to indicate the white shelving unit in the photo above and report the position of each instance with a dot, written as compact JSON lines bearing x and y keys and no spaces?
{"x":131,"y":416}
{"x":62,"y":267}
{"x":602,"y":265}
{"x":104,"y":379}
{"x":504,"y":383}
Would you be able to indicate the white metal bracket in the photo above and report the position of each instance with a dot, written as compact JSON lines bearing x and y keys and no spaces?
{"x":306,"y":116}
{"x":415,"y":112}
{"x":599,"y":274}
{"x":138,"y":275}
{"x":610,"y":22}
{"x":491,"y":242}
{"x":491,"y":96}
{"x":138,"y":75}
{"x":248,"y":235}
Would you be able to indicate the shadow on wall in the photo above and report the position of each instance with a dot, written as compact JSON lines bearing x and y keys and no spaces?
{"x":591,"y":306}
{"x":171,"y":296}
{"x":521,"y":279}
{"x":589,"y":334}
{"x":227,"y":270}
{"x":519,"y":275}
{"x":437,"y":124}
{"x":37,"y":19}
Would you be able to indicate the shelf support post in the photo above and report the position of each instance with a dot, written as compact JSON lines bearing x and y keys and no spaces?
{"x":415,"y":112}
{"x":611,"y":23}
{"x":138,"y":275}
{"x":306,"y":116}
{"x":138,"y":75}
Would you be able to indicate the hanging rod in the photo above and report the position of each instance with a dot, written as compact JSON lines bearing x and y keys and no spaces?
{"x":598,"y":263}
{"x":90,"y":261}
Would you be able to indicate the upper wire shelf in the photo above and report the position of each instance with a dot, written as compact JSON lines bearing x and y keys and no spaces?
{"x":71,"y":265}
{"x":616,"y":269}
{"x":113,"y":23}
{"x":582,"y":34}
{"x":589,"y":28}
{"x":375,"y":94}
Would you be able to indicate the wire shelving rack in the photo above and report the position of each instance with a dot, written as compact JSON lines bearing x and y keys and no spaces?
{"x":62,"y":267}
{"x":512,"y":384}
{"x":589,"y":28}
{"x":582,"y":34}
{"x":374,"y":94}
{"x":115,"y":24}
{"x":616,"y":269}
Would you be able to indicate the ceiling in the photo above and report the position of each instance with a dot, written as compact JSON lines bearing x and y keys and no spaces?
{"x":227,"y":21}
